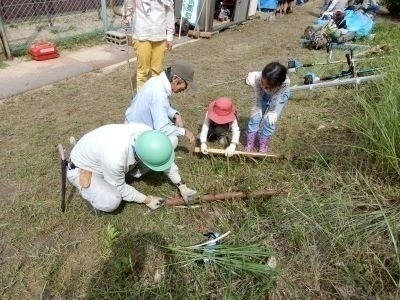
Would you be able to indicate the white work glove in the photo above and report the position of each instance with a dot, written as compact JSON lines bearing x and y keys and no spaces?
{"x":251,"y":78}
{"x":204,"y":148}
{"x":154,"y":202}
{"x":187,"y":194}
{"x":271,"y":118}
{"x":230,"y":150}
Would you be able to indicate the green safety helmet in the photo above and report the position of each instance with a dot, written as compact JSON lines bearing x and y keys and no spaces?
{"x":155,"y":150}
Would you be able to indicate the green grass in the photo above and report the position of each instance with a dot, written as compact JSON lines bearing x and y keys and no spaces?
{"x":70,"y":42}
{"x":3,"y":64}
{"x":376,"y":120}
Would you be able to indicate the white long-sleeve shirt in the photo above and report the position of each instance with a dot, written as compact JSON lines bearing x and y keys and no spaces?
{"x":108,"y":151}
{"x":233,"y":126}
{"x":151,"y":107}
{"x":152,"y":20}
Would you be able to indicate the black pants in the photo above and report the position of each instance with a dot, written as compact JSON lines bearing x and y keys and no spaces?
{"x":216,"y":131}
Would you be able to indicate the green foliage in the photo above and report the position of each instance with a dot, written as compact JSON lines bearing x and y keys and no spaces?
{"x":349,"y":225}
{"x":84,"y":40}
{"x":241,"y":259}
{"x":3,"y":64}
{"x":387,"y":34}
{"x":377,"y":121}
{"x":110,"y":236}
{"x":70,"y":42}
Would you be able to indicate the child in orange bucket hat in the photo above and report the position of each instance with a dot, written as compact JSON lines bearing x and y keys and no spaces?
{"x":219,"y":119}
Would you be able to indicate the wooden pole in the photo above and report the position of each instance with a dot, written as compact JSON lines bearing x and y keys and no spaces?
{"x":229,"y":196}
{"x":226,"y":82}
{"x":252,"y":154}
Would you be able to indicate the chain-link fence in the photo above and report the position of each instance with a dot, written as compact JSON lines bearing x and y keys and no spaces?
{"x":29,"y":21}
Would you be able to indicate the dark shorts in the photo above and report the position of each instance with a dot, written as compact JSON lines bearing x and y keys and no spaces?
{"x":216,"y":131}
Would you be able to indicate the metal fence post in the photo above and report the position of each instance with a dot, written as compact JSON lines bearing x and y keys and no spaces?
{"x":4,"y":39}
{"x":104,"y":15}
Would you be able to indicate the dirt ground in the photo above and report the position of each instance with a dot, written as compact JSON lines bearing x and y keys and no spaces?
{"x":45,"y":253}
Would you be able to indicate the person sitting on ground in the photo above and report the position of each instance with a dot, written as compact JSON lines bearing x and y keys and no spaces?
{"x":151,"y":106}
{"x":102,"y":157}
{"x":332,"y":6}
{"x":343,"y":27}
{"x":272,"y":88}
{"x":371,"y":7}
{"x":219,"y":119}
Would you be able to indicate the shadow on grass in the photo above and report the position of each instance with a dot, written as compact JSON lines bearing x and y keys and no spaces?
{"x":140,"y":267}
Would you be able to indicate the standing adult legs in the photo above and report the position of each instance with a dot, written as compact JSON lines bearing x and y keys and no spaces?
{"x":157,"y":57}
{"x":143,"y":53}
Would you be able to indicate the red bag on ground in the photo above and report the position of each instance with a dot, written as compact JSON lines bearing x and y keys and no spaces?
{"x":43,"y":51}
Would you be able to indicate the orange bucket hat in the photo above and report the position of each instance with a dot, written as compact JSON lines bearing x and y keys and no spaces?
{"x":222,"y":111}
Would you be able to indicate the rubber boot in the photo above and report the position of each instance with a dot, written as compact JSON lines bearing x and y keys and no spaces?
{"x":251,"y":137}
{"x":264,"y":141}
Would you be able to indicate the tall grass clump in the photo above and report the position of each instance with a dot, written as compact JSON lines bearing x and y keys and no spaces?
{"x":378,"y":114}
{"x":344,"y":239}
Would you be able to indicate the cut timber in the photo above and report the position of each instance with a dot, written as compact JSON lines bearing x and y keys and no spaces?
{"x":196,"y":34}
{"x":252,"y":154}
{"x":228,"y":196}
{"x":205,"y":34}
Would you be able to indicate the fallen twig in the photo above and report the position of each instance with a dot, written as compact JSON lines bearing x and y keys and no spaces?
{"x":226,"y":82}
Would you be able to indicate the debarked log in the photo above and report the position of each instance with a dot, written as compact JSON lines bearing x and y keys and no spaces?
{"x":228,"y":196}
